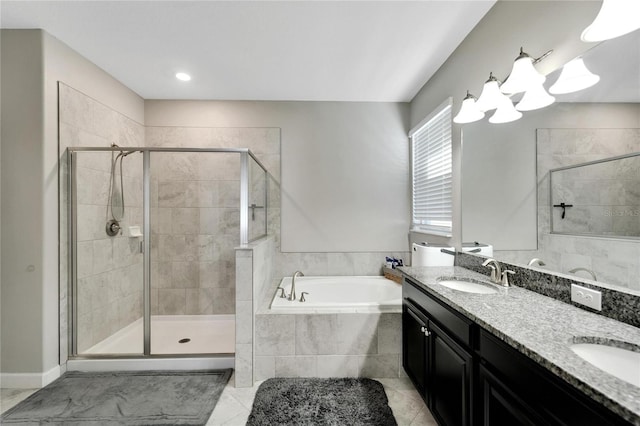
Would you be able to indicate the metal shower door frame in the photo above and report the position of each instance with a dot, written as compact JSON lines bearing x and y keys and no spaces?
{"x":72,"y":212}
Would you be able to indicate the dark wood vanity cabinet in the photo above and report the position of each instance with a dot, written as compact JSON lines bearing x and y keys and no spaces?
{"x":415,"y":347}
{"x":515,"y":387}
{"x":467,"y":376}
{"x":437,"y":359}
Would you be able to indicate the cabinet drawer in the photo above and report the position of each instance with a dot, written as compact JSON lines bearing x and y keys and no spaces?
{"x":456,"y":325}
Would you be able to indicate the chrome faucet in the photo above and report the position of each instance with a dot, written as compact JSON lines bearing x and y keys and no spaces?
{"x":589,"y":271}
{"x":292,"y":295}
{"x":496,"y":270}
{"x":536,"y":261}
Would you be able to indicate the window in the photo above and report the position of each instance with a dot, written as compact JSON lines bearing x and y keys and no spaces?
{"x":431,"y":173}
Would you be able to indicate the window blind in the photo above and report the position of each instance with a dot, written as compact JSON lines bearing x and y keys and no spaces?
{"x":431,"y":176}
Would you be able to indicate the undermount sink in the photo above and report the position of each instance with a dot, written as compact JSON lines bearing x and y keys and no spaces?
{"x":617,"y":361}
{"x":466,"y":285}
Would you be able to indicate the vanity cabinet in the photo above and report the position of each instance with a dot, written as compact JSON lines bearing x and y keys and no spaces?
{"x":468,"y":376}
{"x":437,"y":355}
{"x":515,"y":387}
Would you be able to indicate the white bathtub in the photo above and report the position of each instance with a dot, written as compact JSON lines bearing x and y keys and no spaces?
{"x":340,"y":294}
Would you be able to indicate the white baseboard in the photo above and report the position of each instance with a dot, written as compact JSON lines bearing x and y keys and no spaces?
{"x":29,"y":380}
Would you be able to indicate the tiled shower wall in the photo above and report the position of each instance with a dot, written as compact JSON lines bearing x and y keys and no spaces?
{"x":109,"y":268}
{"x":196,"y":217}
{"x":615,"y":261}
{"x":195,"y":226}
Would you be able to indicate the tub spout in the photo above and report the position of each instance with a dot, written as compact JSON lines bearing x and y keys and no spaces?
{"x":292,"y":295}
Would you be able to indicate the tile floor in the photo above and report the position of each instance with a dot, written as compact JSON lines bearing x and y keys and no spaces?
{"x":234,"y":405}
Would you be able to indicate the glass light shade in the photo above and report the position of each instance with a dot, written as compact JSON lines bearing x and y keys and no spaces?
{"x":523,"y":75}
{"x":490,"y":96}
{"x":535,"y":98}
{"x":616,"y":18}
{"x":574,"y":76}
{"x":505,"y":112}
{"x":469,"y":111}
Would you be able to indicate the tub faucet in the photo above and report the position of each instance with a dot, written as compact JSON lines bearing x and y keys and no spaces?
{"x":496,"y":271}
{"x":589,"y":271}
{"x":292,"y":295}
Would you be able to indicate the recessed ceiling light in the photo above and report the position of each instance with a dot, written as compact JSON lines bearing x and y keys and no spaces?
{"x":183,"y":76}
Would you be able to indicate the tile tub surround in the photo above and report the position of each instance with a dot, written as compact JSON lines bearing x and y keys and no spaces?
{"x":327,"y":345}
{"x":542,"y":328}
{"x":623,"y":306}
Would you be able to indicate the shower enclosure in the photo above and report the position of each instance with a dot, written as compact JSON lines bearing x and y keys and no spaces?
{"x":152,"y":235}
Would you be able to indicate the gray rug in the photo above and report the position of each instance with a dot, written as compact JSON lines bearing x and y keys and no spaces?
{"x":321,"y":402}
{"x":123,"y":398}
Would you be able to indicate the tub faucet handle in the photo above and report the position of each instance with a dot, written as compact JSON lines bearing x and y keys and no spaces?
{"x":283,"y":295}
{"x":302,"y":299}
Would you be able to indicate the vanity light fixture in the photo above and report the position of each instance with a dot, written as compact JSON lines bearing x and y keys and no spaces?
{"x":505,"y":113}
{"x":523,"y":74}
{"x":469,"y":111}
{"x":535,"y":98}
{"x":491,"y":95}
{"x":183,"y":76}
{"x":615,"y":18}
{"x":573,"y":77}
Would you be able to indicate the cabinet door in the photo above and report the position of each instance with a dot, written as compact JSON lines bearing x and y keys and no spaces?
{"x":451,"y":373}
{"x":414,"y":347}
{"x":501,"y":406}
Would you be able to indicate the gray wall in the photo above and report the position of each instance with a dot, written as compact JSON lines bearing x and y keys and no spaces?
{"x":345,"y":167}
{"x":491,"y":47}
{"x":32,"y":64}
{"x":22,"y":205}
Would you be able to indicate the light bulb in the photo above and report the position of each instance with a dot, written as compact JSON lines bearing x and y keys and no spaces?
{"x":490,"y":96}
{"x":505,"y":112}
{"x":535,"y":98}
{"x":615,"y":18}
{"x":469,"y":111}
{"x":573,"y":77}
{"x":523,"y":75}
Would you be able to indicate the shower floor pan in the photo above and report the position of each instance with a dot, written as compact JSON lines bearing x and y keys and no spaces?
{"x":173,"y":334}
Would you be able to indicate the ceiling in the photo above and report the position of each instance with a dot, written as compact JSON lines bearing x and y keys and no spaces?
{"x":381,"y":51}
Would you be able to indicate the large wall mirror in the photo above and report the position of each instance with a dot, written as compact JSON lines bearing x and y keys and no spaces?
{"x":507,"y":198}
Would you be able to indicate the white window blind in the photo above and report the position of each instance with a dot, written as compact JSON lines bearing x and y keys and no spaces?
{"x":431,"y":166}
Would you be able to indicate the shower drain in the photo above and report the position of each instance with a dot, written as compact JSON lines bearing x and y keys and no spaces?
{"x":185,"y":340}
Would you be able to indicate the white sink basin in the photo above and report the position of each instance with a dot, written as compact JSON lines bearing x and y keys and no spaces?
{"x":467,"y":286}
{"x":621,"y":363}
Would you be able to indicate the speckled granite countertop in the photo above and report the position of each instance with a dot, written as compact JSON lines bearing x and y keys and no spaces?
{"x":543,"y":329}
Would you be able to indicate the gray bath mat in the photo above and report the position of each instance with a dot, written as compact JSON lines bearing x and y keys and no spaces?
{"x":123,"y":398}
{"x":321,"y":402}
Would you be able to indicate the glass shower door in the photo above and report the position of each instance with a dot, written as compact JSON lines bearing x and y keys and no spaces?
{"x":106,"y":191}
{"x":194,"y":220}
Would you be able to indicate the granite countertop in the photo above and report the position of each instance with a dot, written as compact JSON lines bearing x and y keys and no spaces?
{"x":542,"y":328}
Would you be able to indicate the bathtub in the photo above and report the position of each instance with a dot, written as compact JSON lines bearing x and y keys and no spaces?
{"x":340,"y":294}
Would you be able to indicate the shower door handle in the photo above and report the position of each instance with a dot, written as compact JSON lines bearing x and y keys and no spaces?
{"x":253,"y":208}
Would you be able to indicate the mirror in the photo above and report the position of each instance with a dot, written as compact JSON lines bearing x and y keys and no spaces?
{"x":506,"y":173}
{"x":599,"y":198}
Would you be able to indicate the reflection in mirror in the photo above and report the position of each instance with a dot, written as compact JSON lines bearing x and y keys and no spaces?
{"x":506,"y":195}
{"x":597,"y":198}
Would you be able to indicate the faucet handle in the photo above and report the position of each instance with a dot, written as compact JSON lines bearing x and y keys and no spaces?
{"x":505,"y":277}
{"x":493,"y":272}
{"x":302,"y":299}
{"x":283,"y":295}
